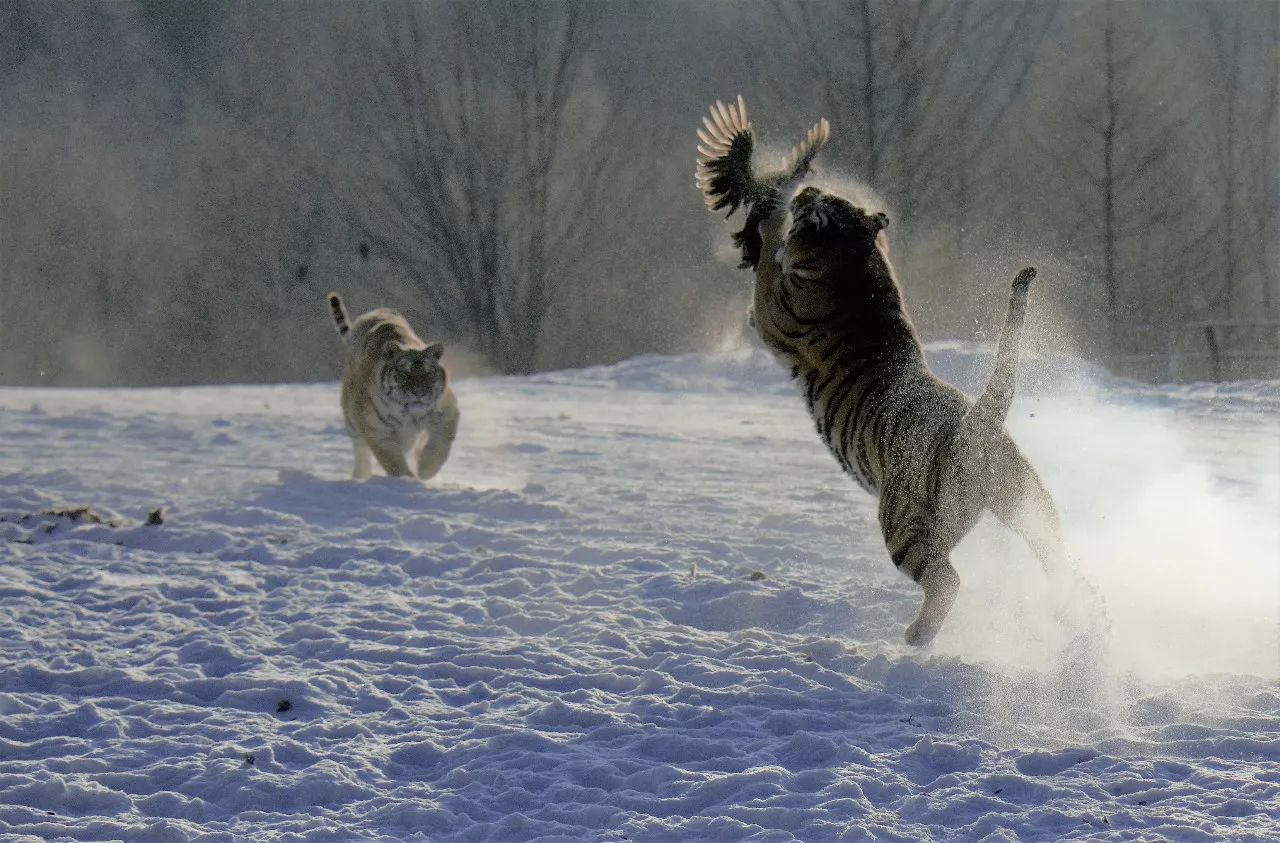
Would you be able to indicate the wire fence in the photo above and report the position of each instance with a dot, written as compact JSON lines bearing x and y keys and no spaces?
{"x":1208,"y":350}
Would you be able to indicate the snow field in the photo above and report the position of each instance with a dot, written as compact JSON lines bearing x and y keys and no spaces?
{"x":639,"y":603}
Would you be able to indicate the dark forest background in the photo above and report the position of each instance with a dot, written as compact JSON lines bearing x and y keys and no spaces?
{"x":181,"y":183}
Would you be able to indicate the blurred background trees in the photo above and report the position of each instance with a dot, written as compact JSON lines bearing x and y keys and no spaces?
{"x":182,"y":183}
{"x":495,"y":172}
{"x":1120,"y":137}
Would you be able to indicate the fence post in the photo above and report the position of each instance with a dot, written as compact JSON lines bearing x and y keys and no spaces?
{"x":1211,"y":337}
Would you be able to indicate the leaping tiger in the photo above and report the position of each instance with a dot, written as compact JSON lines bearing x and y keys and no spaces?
{"x":827,"y":304}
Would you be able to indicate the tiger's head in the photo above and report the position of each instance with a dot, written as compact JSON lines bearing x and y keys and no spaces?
{"x":412,"y":377}
{"x":828,"y":232}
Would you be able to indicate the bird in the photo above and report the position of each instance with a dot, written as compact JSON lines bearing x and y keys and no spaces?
{"x":726,"y":178}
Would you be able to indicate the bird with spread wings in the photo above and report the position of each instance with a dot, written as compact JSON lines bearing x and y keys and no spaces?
{"x":725,"y":175}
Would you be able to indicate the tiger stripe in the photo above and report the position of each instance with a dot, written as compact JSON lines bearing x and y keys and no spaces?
{"x":340,"y":319}
{"x":827,"y":304}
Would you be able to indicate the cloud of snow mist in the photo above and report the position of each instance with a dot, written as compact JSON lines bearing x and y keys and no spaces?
{"x":1185,"y":552}
{"x":1172,"y":516}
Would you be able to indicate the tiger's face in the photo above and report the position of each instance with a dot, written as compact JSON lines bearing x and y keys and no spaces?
{"x":828,"y":231}
{"x":413,"y":377}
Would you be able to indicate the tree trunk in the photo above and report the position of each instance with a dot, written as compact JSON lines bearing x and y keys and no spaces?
{"x":1108,"y":188}
{"x":869,"y":94}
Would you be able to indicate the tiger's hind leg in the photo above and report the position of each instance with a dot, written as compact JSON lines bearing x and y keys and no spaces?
{"x":917,"y":551}
{"x":1024,"y":505}
{"x":941,"y":583}
{"x":920,"y":559}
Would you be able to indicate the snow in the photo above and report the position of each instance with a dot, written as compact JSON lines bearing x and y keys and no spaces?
{"x":639,"y":603}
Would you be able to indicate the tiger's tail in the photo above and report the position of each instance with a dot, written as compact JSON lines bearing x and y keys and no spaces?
{"x":340,"y":320}
{"x":986,"y":417}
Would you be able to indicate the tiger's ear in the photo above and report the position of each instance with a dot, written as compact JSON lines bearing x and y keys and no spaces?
{"x":433,"y":352}
{"x":879,"y":222}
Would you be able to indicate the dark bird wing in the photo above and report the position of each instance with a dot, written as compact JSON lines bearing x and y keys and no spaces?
{"x":723,"y":173}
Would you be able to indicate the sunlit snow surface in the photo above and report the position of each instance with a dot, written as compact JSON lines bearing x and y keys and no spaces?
{"x":561,"y":637}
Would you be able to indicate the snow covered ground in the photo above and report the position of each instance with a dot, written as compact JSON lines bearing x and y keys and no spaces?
{"x":640,"y":603}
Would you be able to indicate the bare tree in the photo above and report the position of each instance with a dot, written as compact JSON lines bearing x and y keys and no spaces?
{"x":516,"y":176}
{"x":494,"y":155}
{"x":1270,"y":249}
{"x":920,"y":94}
{"x":1226,"y":36}
{"x":1238,"y":84}
{"x":925,"y":84}
{"x":1118,"y":144}
{"x":1241,"y":87}
{"x":23,"y":183}
{"x":258,"y":165}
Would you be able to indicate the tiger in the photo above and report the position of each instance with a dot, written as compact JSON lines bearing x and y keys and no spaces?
{"x":397,"y":403}
{"x":827,"y":304}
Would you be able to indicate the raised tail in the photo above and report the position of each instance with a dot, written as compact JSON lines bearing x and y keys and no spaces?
{"x":986,"y":416}
{"x":340,"y":320}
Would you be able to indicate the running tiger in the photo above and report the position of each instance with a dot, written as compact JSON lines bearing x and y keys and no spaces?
{"x":396,"y":399}
{"x":827,"y":304}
